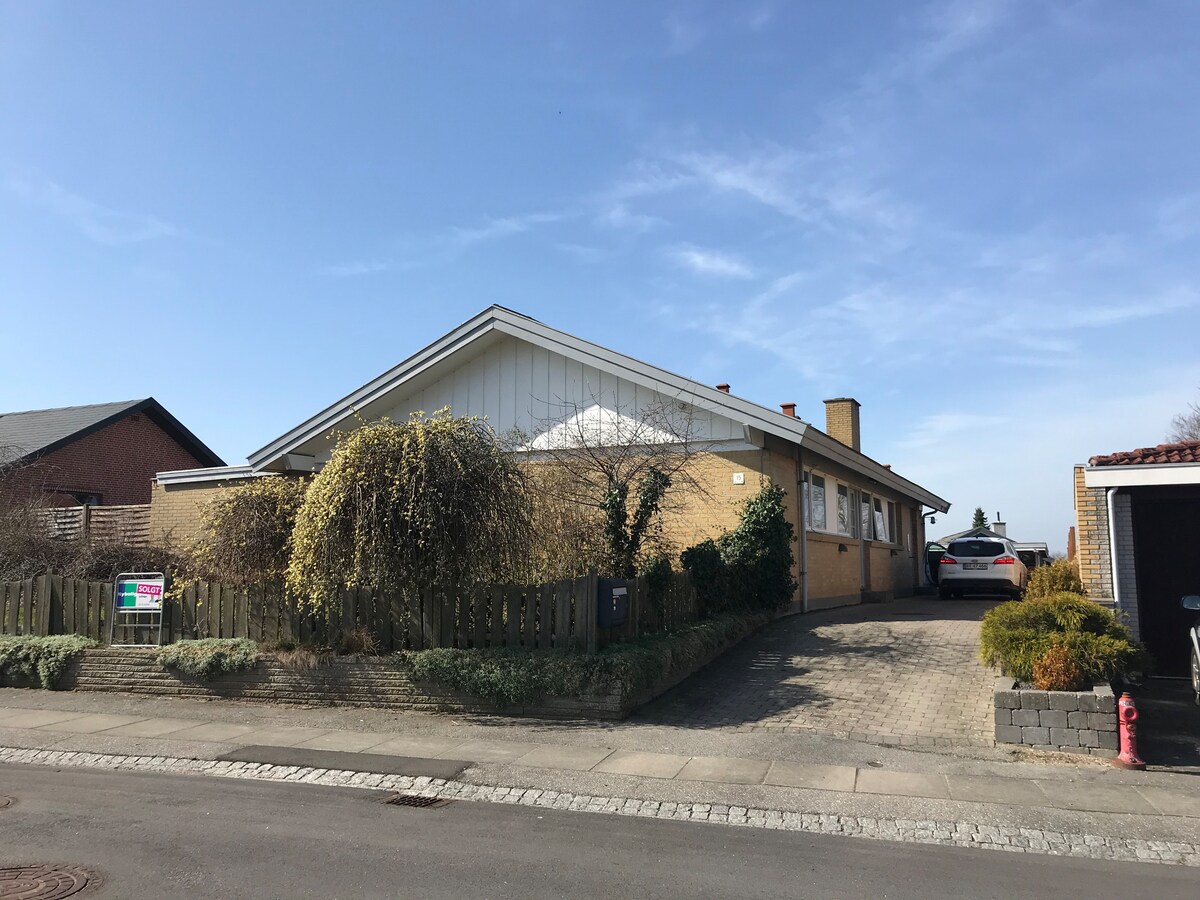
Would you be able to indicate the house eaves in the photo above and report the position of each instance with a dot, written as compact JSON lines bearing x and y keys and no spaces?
{"x":704,"y":397}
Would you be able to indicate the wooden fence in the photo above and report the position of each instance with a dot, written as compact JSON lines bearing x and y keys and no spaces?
{"x":559,"y":615}
{"x":128,"y":524}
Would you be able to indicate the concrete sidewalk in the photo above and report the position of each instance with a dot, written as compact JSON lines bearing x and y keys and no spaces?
{"x":1142,"y":794}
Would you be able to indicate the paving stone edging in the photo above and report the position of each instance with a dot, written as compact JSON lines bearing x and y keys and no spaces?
{"x":940,"y":832}
{"x":1070,"y":721}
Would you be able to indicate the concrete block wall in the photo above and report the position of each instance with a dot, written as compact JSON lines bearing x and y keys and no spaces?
{"x":1070,"y":721}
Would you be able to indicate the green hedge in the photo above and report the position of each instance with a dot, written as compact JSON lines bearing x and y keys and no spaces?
{"x":749,"y":567}
{"x":210,"y":657}
{"x":519,"y":677}
{"x":1015,"y":635}
{"x":41,"y":658}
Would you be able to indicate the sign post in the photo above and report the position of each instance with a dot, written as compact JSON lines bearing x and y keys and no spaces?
{"x":137,"y":608}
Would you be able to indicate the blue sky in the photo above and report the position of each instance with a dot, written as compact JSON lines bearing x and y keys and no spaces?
{"x":979,"y":218}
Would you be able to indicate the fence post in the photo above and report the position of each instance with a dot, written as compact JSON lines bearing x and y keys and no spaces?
{"x":591,"y":597}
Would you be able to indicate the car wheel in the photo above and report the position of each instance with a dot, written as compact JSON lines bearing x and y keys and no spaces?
{"x":1196,"y":674}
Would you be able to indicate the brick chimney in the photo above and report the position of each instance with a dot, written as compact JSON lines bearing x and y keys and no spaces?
{"x":788,"y":409}
{"x":841,"y":421}
{"x":723,"y":388}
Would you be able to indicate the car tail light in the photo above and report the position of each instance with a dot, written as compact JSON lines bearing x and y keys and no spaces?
{"x":948,"y":561}
{"x":1004,"y":561}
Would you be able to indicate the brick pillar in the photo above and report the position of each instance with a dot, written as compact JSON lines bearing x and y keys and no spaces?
{"x":1092,"y":545}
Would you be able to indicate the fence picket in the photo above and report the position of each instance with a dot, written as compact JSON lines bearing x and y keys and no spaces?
{"x":56,"y":606}
{"x":9,"y":624}
{"x":512,"y":615}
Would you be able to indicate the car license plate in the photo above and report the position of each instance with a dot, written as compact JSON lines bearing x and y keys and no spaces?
{"x":975,"y":565}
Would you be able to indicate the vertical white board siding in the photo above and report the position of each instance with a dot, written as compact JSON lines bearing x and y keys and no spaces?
{"x":519,"y":385}
{"x":509,"y":386}
{"x":475,"y":390}
{"x":539,"y":388}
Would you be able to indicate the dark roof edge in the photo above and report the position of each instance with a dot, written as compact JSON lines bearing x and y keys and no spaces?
{"x":155,"y":411}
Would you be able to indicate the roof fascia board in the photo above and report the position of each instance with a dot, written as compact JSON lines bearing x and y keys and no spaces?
{"x":835,"y":450}
{"x":701,"y":396}
{"x":181,"y":433}
{"x":337,"y":412}
{"x":194,"y":476}
{"x":74,"y":436}
{"x":710,"y":399}
{"x":150,"y":407}
{"x":1142,"y":475}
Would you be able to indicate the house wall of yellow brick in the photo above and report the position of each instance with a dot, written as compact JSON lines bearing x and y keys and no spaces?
{"x":710,"y":508}
{"x":176,"y":510}
{"x":1091,"y":538}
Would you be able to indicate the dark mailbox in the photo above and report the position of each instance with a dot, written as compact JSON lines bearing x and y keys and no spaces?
{"x":612,"y":602}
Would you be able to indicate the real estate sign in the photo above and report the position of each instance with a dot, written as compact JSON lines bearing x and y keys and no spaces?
{"x":140,"y":595}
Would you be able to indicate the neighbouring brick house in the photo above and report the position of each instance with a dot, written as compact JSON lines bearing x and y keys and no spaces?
{"x":865,"y":533}
{"x":1137,"y":518}
{"x":104,"y":454}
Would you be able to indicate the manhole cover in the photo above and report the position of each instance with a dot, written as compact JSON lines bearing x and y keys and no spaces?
{"x":45,"y":882}
{"x":415,"y":800}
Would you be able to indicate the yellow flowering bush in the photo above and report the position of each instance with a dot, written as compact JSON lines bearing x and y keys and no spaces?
{"x":431,"y":502}
{"x":246,"y":531}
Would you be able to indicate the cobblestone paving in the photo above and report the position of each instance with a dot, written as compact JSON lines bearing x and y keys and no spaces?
{"x":904,"y":673}
{"x":943,"y":832}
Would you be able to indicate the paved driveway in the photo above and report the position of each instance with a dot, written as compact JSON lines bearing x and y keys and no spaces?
{"x":903,"y":673}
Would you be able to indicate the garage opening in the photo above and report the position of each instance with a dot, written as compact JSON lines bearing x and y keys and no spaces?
{"x":1166,"y":534}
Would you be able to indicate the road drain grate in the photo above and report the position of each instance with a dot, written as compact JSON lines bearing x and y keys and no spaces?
{"x":417,"y":801}
{"x":49,"y":882}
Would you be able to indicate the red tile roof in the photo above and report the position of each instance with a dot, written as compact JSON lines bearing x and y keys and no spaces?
{"x":1183,"y":452}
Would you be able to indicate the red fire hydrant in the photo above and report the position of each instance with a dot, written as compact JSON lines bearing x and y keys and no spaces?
{"x":1127,"y":716}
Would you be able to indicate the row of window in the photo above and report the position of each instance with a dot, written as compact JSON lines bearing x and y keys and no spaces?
{"x":837,"y":508}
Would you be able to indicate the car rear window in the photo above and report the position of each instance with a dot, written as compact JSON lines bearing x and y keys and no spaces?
{"x":975,"y":548}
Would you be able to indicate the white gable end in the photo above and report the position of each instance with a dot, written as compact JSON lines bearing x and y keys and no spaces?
{"x":519,"y":386}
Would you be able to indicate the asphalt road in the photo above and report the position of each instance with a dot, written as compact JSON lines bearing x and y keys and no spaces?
{"x":161,"y":836}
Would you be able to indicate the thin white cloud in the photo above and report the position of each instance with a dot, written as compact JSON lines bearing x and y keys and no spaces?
{"x":760,"y":18}
{"x":356,"y":268}
{"x":111,"y":227}
{"x":620,"y":217}
{"x":683,"y":36}
{"x":710,"y":262}
{"x":935,"y":430}
{"x":506,"y":226}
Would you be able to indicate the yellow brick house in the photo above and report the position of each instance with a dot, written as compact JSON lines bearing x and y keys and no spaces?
{"x":860,"y":527}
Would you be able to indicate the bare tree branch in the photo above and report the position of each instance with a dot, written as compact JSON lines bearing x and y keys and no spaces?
{"x":1186,"y":425}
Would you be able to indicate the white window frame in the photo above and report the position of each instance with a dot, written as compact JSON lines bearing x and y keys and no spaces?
{"x":814,"y":488}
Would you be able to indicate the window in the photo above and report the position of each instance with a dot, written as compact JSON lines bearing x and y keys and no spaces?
{"x":986,"y":549}
{"x":864,"y":517}
{"x":880,"y":521}
{"x":844,"y":519}
{"x":816,"y":510}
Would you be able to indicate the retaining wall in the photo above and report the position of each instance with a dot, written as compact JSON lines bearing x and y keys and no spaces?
{"x":339,"y":681}
{"x":1071,"y":721}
